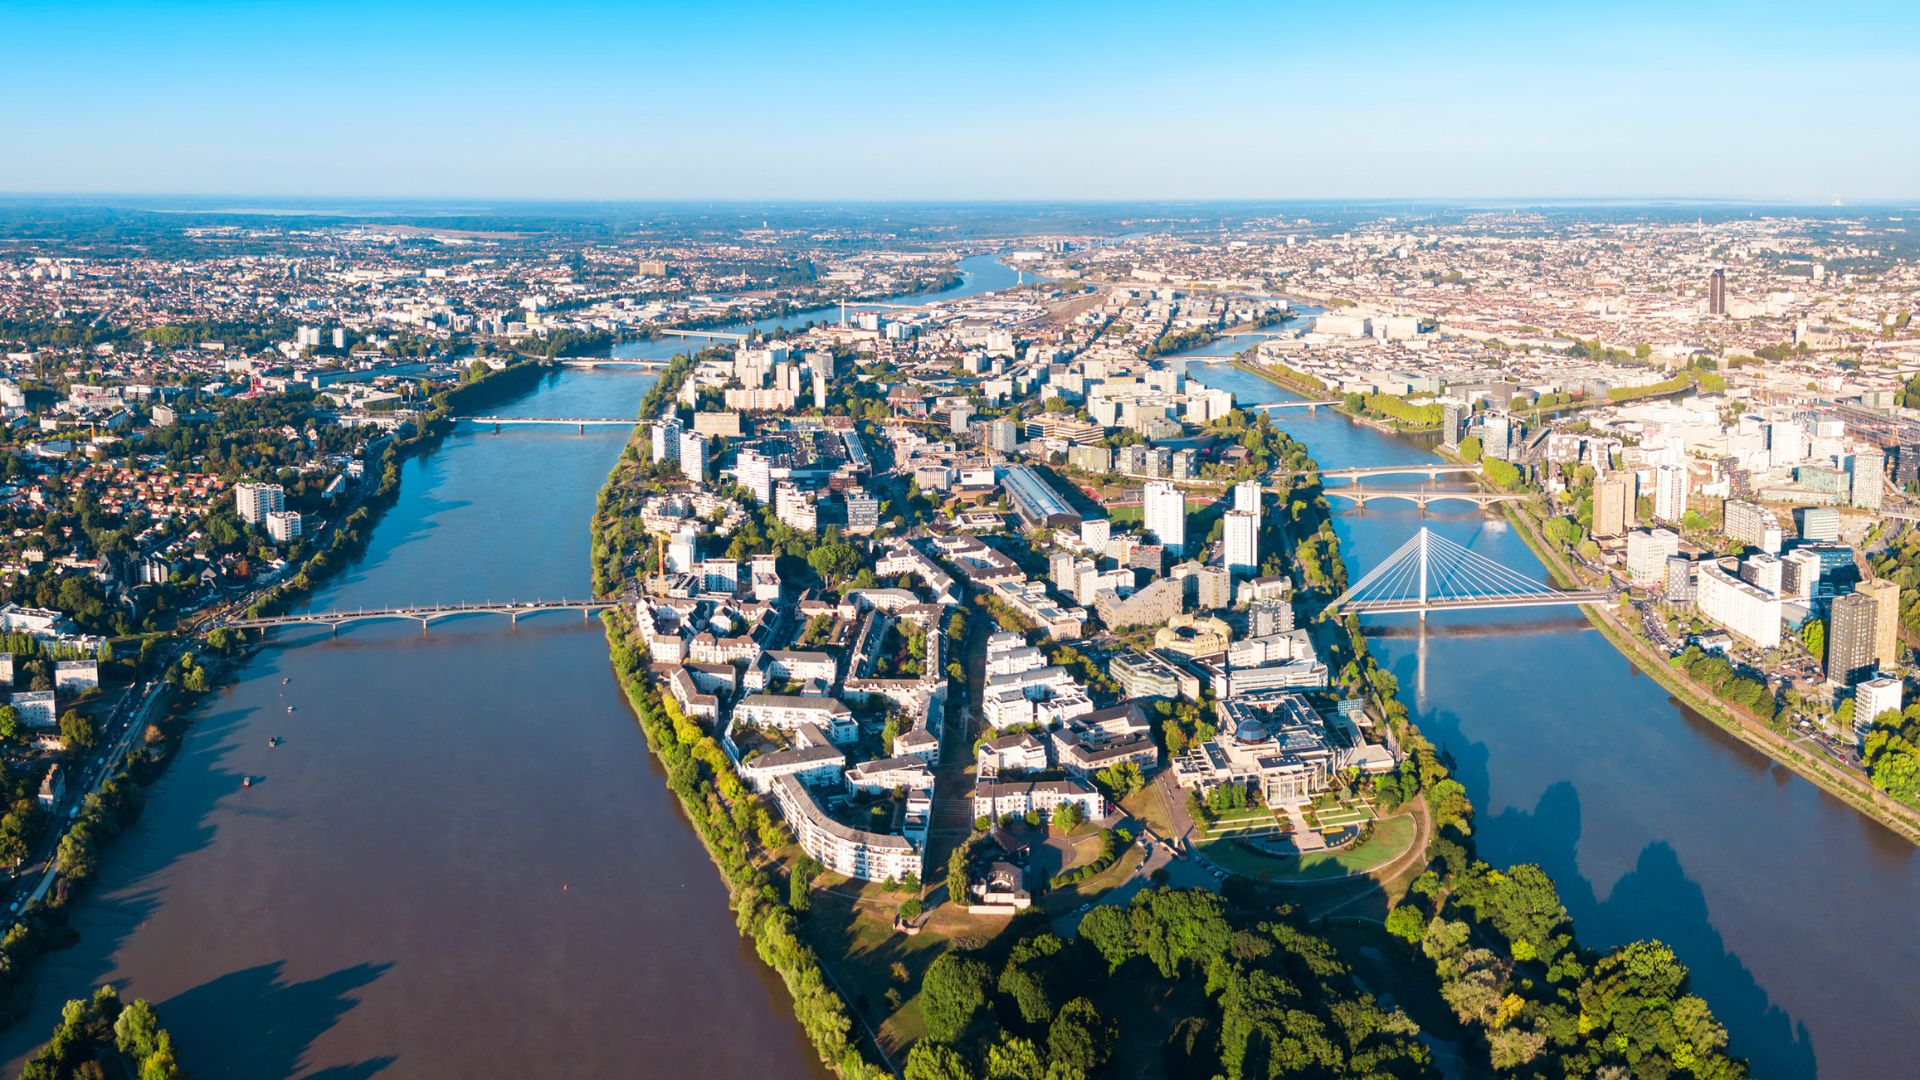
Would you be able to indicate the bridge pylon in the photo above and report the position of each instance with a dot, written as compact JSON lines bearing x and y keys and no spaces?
{"x":1432,"y":573}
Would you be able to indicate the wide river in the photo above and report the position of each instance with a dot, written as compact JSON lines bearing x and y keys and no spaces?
{"x":461,"y":862}
{"x":1795,"y":914}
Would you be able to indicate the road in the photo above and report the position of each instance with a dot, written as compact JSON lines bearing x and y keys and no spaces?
{"x":117,"y":734}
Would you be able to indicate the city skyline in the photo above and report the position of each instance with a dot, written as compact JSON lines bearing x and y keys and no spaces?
{"x":877,"y":104}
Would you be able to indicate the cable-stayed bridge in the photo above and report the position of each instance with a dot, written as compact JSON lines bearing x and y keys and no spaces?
{"x":1432,"y":573}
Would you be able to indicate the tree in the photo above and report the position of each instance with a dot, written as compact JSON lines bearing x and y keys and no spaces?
{"x":137,"y":1030}
{"x":76,"y":730}
{"x":75,"y":857}
{"x":800,"y":885}
{"x":959,"y":881}
{"x":951,"y":995}
{"x":1068,"y":817}
{"x":12,"y":731}
{"x":1014,"y":1058}
{"x":1107,"y":928}
{"x":1122,"y":779}
{"x":932,"y":1061}
{"x":1406,"y":923}
{"x":1470,"y":448}
{"x":1080,"y":1038}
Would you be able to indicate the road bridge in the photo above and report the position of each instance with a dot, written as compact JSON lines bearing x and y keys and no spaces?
{"x":705,"y":334}
{"x":580,"y":422}
{"x":1420,"y":497}
{"x":587,"y":362}
{"x":424,"y":614}
{"x":1276,"y":406}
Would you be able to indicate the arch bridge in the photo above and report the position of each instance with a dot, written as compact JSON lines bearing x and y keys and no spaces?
{"x":424,"y":614}
{"x":1422,"y":496}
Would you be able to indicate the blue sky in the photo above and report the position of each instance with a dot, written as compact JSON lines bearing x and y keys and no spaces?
{"x":978,"y":100}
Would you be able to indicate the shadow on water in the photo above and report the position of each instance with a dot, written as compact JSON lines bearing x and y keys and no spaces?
{"x":266,"y":1024}
{"x":1763,"y":1032}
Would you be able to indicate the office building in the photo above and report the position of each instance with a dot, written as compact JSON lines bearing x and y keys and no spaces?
{"x":1749,"y":613}
{"x":1717,"y":293}
{"x":1612,"y":495}
{"x":1647,"y":553}
{"x":1497,"y":433}
{"x":1166,"y":515}
{"x":1453,"y":422}
{"x":253,"y":502}
{"x":863,"y":512}
{"x":1818,"y":523}
{"x":1670,"y":492}
{"x":1242,"y":542}
{"x":1869,"y":477}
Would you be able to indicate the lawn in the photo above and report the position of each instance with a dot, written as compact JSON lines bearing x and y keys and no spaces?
{"x":1391,"y":838}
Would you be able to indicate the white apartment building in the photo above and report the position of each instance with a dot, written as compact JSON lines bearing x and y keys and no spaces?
{"x":844,"y":849}
{"x":693,"y":456}
{"x":253,"y":502}
{"x":1647,"y":553}
{"x":1246,"y":497}
{"x":1242,"y":540}
{"x":1670,"y":492}
{"x":284,"y":526}
{"x":1166,"y":515}
{"x":790,"y":712}
{"x":996,"y":800}
{"x":1741,"y":608}
{"x":1874,"y":698}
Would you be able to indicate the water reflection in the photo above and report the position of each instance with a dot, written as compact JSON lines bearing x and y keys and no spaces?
{"x":1791,"y":910}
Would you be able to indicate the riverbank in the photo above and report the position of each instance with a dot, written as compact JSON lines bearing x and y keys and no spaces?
{"x":41,"y":925}
{"x":1851,"y":788}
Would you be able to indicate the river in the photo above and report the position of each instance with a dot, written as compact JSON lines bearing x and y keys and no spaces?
{"x":461,"y":861}
{"x":1794,"y":912}
{"x":979,"y":274}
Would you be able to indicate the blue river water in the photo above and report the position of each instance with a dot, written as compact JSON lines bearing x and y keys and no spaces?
{"x":1794,"y":913}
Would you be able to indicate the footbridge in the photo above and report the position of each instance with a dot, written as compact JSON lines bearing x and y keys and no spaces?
{"x":424,"y":614}
{"x":1432,"y":573}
